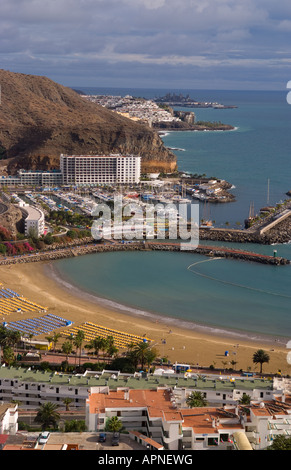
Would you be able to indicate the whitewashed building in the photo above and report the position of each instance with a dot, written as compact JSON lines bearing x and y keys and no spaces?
{"x":34,"y":220}
{"x":100,"y":169}
{"x":8,"y":418}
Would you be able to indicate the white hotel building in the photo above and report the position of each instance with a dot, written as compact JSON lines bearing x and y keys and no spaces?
{"x":100,"y":169}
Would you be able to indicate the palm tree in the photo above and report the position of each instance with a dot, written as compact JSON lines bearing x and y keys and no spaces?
{"x":14,"y":337}
{"x":49,"y":339}
{"x":245,"y":399}
{"x":196,"y":399}
{"x":47,"y":415}
{"x":5,"y":339}
{"x":67,"y":349}
{"x":130,"y":347}
{"x":110,"y":341}
{"x":56,"y":337}
{"x":104,"y":345}
{"x":2,"y":339}
{"x":8,"y":339}
{"x":8,"y":355}
{"x":112,"y":350}
{"x":150,"y":355}
{"x":140,"y":351}
{"x":259,"y":357}
{"x":67,"y":402}
{"x":78,"y":341}
{"x":114,"y":424}
{"x":95,"y":344}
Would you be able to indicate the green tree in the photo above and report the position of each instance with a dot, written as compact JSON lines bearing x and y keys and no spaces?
{"x":140,"y":351}
{"x":13,"y":337}
{"x":55,"y":339}
{"x":47,"y":415}
{"x":8,"y":355}
{"x":8,"y":338}
{"x":260,"y":357}
{"x":150,"y":356}
{"x":196,"y":399}
{"x":78,"y":342}
{"x":245,"y":399}
{"x":114,"y":424}
{"x":67,"y":401}
{"x":67,"y":348}
{"x":281,"y":442}
{"x":3,"y":248}
{"x":75,"y":425}
{"x":96,"y":344}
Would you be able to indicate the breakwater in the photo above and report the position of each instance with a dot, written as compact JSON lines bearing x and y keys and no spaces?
{"x":276,"y":235}
{"x":222,"y":252}
{"x":91,"y":248}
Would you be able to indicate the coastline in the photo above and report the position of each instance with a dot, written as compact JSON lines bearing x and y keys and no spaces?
{"x":184,"y":342}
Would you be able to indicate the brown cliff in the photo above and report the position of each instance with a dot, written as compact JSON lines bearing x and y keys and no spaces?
{"x":40,"y":119}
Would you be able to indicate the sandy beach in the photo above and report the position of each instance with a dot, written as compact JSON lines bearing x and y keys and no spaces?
{"x":35,"y":281}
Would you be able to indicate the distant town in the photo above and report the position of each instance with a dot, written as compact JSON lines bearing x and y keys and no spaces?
{"x":159,"y":112}
{"x":181,"y":100}
{"x":137,"y":109}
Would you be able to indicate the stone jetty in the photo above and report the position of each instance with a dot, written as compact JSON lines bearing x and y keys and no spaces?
{"x":93,"y":247}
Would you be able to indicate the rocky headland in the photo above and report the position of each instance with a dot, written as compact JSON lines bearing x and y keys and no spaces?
{"x":40,"y":119}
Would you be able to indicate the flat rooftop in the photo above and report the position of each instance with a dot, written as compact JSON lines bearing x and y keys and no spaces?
{"x":114,"y":381}
{"x":33,"y":213}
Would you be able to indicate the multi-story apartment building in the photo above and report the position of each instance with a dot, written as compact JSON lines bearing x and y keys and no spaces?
{"x":82,"y":170}
{"x":34,"y":220}
{"x":152,"y":412}
{"x":100,"y":169}
{"x":155,"y":412}
{"x":33,"y":178}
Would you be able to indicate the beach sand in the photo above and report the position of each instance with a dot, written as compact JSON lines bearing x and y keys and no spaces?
{"x":181,"y":344}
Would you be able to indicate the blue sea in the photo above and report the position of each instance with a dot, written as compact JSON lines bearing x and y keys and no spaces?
{"x":255,"y":158}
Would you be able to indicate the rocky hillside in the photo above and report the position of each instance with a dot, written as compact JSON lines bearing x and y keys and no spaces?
{"x":40,"y":119}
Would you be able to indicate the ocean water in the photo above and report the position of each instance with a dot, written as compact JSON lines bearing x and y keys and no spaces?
{"x":255,"y":158}
{"x":222,"y":294}
{"x":217,"y":293}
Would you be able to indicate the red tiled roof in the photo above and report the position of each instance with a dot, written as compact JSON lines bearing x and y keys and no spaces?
{"x":3,"y":438}
{"x":156,"y":401}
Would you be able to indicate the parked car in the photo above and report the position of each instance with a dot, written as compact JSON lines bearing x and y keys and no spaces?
{"x":102,"y":437}
{"x":115,"y":439}
{"x":43,"y":437}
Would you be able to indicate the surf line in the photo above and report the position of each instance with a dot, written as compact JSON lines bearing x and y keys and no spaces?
{"x":231,"y":283}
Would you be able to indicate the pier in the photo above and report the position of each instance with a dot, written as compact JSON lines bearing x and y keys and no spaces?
{"x":221,"y":252}
{"x":277,"y":220}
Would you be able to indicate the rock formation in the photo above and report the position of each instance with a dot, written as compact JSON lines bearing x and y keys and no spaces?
{"x":40,"y":119}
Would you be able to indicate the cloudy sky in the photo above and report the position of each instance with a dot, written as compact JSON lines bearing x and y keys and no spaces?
{"x":194,"y":44}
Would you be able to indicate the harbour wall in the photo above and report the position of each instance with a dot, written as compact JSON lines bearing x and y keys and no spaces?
{"x":280,"y":233}
{"x":91,"y":248}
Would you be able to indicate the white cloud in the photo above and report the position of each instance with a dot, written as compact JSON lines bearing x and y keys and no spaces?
{"x":234,"y":35}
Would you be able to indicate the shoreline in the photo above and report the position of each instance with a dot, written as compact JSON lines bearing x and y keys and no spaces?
{"x":195,"y":345}
{"x":53,"y":273}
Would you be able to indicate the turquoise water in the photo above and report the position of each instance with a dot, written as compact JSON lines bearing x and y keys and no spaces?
{"x":238,"y":295}
{"x":222,"y":294}
{"x":257,"y":151}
